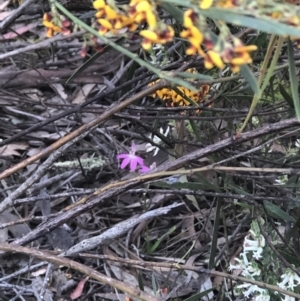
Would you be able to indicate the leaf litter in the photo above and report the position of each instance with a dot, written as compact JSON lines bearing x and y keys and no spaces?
{"x":146,"y":256}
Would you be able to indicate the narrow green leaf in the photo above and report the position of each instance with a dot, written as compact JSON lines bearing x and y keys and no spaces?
{"x":157,"y":243}
{"x":162,"y":74}
{"x":276,"y":212}
{"x":293,"y":78}
{"x":263,"y":79}
{"x":261,"y":40}
{"x":250,"y":78}
{"x":176,"y":81}
{"x":191,"y":101}
{"x":192,"y":186}
{"x":154,"y":286}
{"x":85,"y":65}
{"x":293,"y":231}
{"x":213,"y":247}
{"x":91,"y":60}
{"x":195,"y":129}
{"x":235,"y":17}
{"x":188,"y":252}
{"x":207,"y":184}
{"x":241,"y":18}
{"x":244,"y":97}
{"x":129,"y":75}
{"x":238,"y":189}
{"x":140,"y":282}
{"x":183,"y":179}
{"x":199,"y":295}
{"x":174,"y":11}
{"x":202,"y":77}
{"x":290,"y":258}
{"x":286,"y":96}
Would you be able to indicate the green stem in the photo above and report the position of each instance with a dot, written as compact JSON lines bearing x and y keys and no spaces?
{"x":161,"y":74}
{"x":263,"y":80}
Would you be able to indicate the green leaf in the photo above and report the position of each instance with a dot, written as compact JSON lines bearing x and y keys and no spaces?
{"x":157,"y":243}
{"x":169,"y":76}
{"x":244,"y":97}
{"x":276,"y":212}
{"x":238,"y":190}
{"x":177,"y":81}
{"x":183,"y":179}
{"x":191,"y":101}
{"x":235,"y":17}
{"x":293,"y":231}
{"x":261,"y":40}
{"x":264,"y":79}
{"x":192,"y":186}
{"x":286,"y":96}
{"x":130,"y":75}
{"x":174,"y":11}
{"x":214,"y":242}
{"x":199,"y":295}
{"x":250,"y":78}
{"x":195,"y":129}
{"x":140,"y":282}
{"x":207,"y":184}
{"x":202,"y":77}
{"x":91,"y":60}
{"x":154,"y":286}
{"x":290,"y":258}
{"x":293,"y":78}
{"x":85,"y":65}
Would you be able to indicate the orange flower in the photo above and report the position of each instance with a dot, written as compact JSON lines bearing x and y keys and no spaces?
{"x":213,"y":59}
{"x":112,"y":20}
{"x":123,"y":21}
{"x":195,"y":37}
{"x":228,"y":3}
{"x":143,"y":10}
{"x":105,"y":26}
{"x":205,"y":4}
{"x":158,"y":36}
{"x":111,"y":14}
{"x":172,"y":99}
{"x":55,"y":25}
{"x":192,"y":33}
{"x":238,"y":55}
{"x":189,"y":18}
{"x":242,"y":48}
{"x":99,"y":4}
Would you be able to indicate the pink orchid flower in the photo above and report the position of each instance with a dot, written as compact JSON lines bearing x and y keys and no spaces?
{"x":144,"y":169}
{"x":132,"y":159}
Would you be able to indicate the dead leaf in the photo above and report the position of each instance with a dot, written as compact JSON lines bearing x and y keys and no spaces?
{"x":295,"y":2}
{"x":188,"y":223}
{"x":19,"y":31}
{"x":4,"y":14}
{"x":79,"y":288}
{"x":39,"y":272}
{"x":60,"y":90}
{"x":11,"y":149}
{"x":83,"y":93}
{"x":17,"y":230}
{"x":53,"y":136}
{"x":4,"y":4}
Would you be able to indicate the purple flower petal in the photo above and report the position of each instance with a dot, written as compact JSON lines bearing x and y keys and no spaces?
{"x":139,"y":160}
{"x":122,"y":156}
{"x":133,"y":148}
{"x":131,"y":159}
{"x":144,"y":169}
{"x":133,"y":164}
{"x":125,"y":162}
